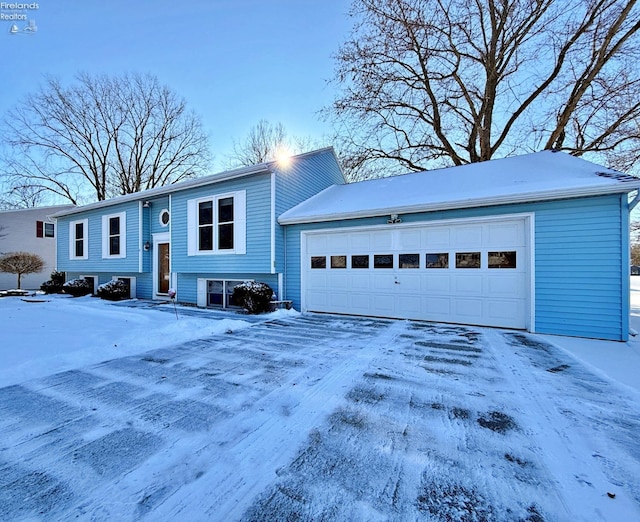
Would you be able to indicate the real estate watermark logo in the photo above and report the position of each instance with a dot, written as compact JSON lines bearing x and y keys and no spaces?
{"x":19,"y":17}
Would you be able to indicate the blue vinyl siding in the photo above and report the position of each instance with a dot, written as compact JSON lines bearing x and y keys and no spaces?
{"x":581,"y":265}
{"x":95,"y":263}
{"x":257,"y":258}
{"x":300,"y":181}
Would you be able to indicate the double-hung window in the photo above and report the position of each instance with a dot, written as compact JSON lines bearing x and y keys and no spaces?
{"x":114,"y":239}
{"x":78,"y":239}
{"x":217,"y":224}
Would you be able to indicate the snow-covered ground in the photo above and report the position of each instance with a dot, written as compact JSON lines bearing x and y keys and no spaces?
{"x":123,"y":413}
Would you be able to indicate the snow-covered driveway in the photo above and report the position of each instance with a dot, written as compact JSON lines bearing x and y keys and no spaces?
{"x":325,"y":418}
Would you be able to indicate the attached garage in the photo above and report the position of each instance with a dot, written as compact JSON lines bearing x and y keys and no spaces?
{"x":537,"y":242}
{"x":469,"y":271}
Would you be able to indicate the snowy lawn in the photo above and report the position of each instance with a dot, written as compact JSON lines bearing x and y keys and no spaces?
{"x":117,"y":413}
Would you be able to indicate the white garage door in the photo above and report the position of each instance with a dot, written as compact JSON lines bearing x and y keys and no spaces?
{"x":460,"y":272}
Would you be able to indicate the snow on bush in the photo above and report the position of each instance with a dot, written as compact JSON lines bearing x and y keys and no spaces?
{"x":54,"y":285}
{"x":113,"y":290}
{"x":253,"y":296}
{"x":77,"y":287}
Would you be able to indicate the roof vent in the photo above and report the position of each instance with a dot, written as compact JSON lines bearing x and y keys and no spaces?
{"x":619,"y":176}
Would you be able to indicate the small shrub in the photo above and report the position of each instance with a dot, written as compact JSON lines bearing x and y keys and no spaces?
{"x":54,"y":285}
{"x":255,"y":297}
{"x":77,"y":287}
{"x":114,"y":290}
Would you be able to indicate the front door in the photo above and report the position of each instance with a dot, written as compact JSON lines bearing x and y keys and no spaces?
{"x":163,"y":264}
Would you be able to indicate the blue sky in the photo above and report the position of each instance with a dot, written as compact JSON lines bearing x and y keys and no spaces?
{"x":234,"y":61}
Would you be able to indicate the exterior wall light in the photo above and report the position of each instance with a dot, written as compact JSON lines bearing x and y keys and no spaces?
{"x":394,"y":219}
{"x":147,"y":245}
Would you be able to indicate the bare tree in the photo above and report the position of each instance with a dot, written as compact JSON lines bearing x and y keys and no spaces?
{"x":265,"y":142}
{"x":21,"y":263}
{"x":428,"y":83}
{"x":103,"y":135}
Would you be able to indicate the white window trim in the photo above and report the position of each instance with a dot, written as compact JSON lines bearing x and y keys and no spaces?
{"x":164,"y":211}
{"x":202,"y":290}
{"x":132,"y":284}
{"x":85,"y":239}
{"x":44,"y":229}
{"x":123,"y":236}
{"x":239,"y":224}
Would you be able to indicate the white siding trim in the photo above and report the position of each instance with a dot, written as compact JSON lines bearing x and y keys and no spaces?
{"x":273,"y":223}
{"x":85,"y":239}
{"x":201,"y":299}
{"x":240,"y":222}
{"x":140,"y":232}
{"x":123,"y":235}
{"x":530,"y":228}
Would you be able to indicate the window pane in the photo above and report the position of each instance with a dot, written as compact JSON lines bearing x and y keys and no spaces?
{"x":318,"y":262}
{"x":114,"y":246}
{"x":338,"y":261}
{"x":114,"y":226}
{"x":49,"y":230}
{"x":205,"y":213}
{"x":225,"y":210}
{"x":229,"y":286}
{"x":205,"y":238}
{"x":164,"y":217}
{"x":468,"y":260}
{"x":502,"y":259}
{"x":79,"y":231}
{"x":383,"y":261}
{"x":79,"y":248}
{"x":214,"y":293}
{"x":409,"y":260}
{"x":225,"y":236}
{"x":438,"y":260}
{"x":359,"y":261}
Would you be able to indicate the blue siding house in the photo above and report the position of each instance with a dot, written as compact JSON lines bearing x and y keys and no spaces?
{"x":538,"y":242}
{"x":200,"y":237}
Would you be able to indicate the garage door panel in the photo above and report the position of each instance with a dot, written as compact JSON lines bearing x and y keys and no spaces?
{"x":382,"y":240}
{"x":469,"y":284}
{"x":360,"y":281}
{"x":495,"y":296}
{"x":469,"y":310}
{"x":436,"y":237}
{"x":511,"y":233}
{"x":409,"y":240}
{"x":469,"y":236}
{"x":439,"y":283}
{"x":361,"y":242}
{"x":506,"y":285}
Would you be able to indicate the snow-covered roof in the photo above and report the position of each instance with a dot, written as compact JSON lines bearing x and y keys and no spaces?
{"x":240,"y":172}
{"x":538,"y":176}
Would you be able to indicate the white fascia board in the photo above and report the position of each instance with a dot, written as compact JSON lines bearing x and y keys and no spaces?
{"x":530,"y":197}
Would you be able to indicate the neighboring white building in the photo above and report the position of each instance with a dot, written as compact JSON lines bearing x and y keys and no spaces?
{"x":29,"y":230}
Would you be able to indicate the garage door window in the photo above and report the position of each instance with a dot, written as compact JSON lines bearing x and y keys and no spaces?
{"x":318,"y":262}
{"x":409,"y":260}
{"x":338,"y":261}
{"x":502,"y":259}
{"x":359,"y":261}
{"x":468,"y":260}
{"x":383,"y":261}
{"x":438,"y":260}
